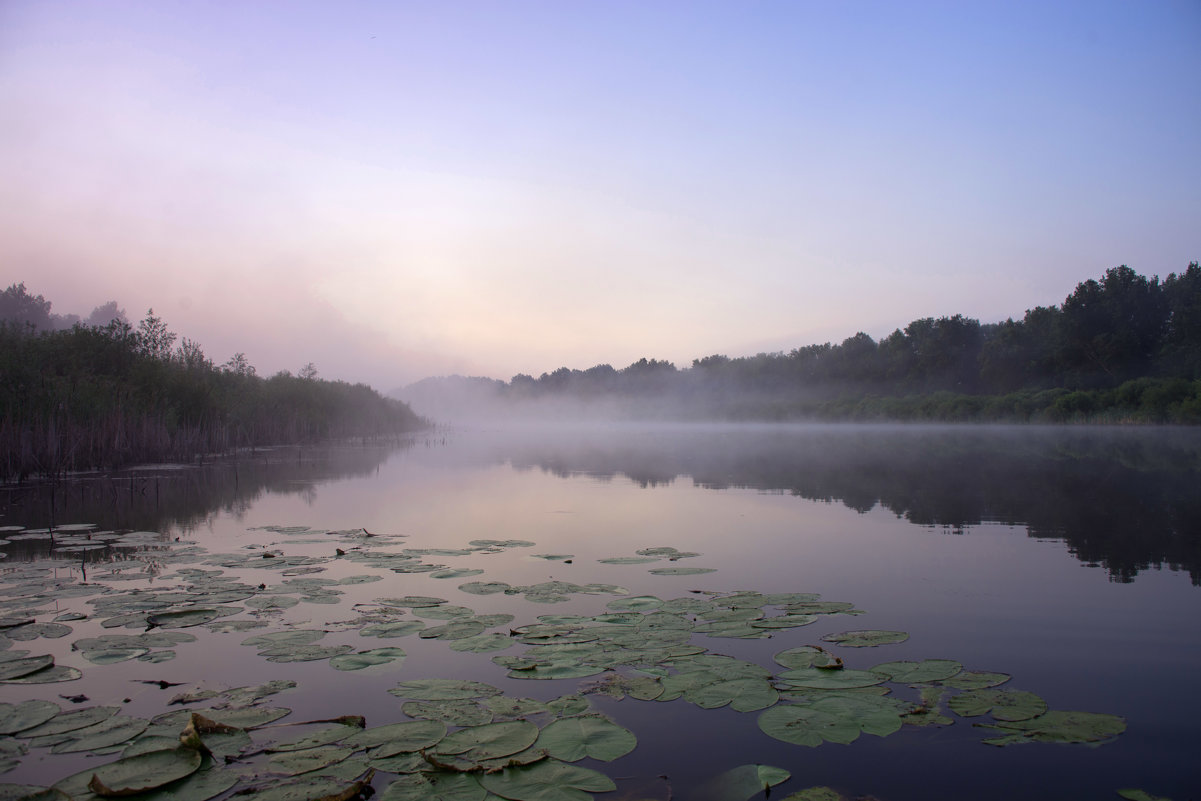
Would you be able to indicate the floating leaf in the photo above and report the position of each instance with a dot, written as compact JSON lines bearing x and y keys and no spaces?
{"x":808,"y":656}
{"x":16,"y":668}
{"x":443,"y":689}
{"x":31,"y":792}
{"x":304,"y":653}
{"x":26,"y":715}
{"x":457,"y":712}
{"x":50,"y":675}
{"x":366,"y":659}
{"x":489,"y":741}
{"x":975,"y":680}
{"x":184,"y":618}
{"x":681,"y":571}
{"x":395,"y":738}
{"x":138,"y":774}
{"x":442,"y":786}
{"x":1060,"y":727}
{"x":744,"y":695}
{"x":743,"y":783}
{"x":549,"y":780}
{"x":572,"y":739}
{"x":294,"y":763}
{"x":867,"y":638}
{"x":1009,"y":705}
{"x":922,"y":672}
{"x":325,"y":736}
{"x":636,"y":603}
{"x":804,"y":725}
{"x":816,"y":678}
{"x":70,"y":721}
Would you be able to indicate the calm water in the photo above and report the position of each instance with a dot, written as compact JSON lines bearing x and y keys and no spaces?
{"x":1069,"y":558}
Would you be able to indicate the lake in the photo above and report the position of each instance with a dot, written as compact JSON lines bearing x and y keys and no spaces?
{"x":1067,"y":558}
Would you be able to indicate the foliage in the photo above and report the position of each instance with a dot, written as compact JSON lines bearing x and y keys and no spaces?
{"x":103,"y":396}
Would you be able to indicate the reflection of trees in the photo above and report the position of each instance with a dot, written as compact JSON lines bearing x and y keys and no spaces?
{"x":1124,"y":499}
{"x":182,"y":499}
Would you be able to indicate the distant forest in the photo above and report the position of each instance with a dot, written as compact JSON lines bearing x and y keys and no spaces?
{"x":1124,"y":348}
{"x":80,"y":394}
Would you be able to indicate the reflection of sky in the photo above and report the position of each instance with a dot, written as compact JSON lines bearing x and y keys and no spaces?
{"x":397,"y":190}
{"x":991,"y":597}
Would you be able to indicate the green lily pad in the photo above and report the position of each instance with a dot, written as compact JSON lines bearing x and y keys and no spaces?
{"x":184,"y":618}
{"x":744,"y":695}
{"x":1059,"y":727}
{"x":1010,"y":705}
{"x":395,"y":738}
{"x":443,"y":689}
{"x":866,"y":639}
{"x":489,"y":741}
{"x":31,"y":792}
{"x":144,"y":772}
{"x":482,"y":643}
{"x":549,"y":780}
{"x":804,"y":725}
{"x":456,"y":630}
{"x":50,"y":675}
{"x":400,"y":628}
{"x":743,"y":783}
{"x":456,"y":712}
{"x":681,"y":571}
{"x":922,"y":672}
{"x":70,"y":721}
{"x":248,"y":717}
{"x":635,"y":603}
{"x":110,"y":656}
{"x":441,"y":786}
{"x":818,"y":679}
{"x":975,"y":680}
{"x":278,"y":639}
{"x":808,"y":656}
{"x":572,"y":739}
{"x":294,"y":763}
{"x":113,"y":731}
{"x":26,"y":715}
{"x":366,"y":659}
{"x":325,"y":736}
{"x":16,"y":668}
{"x":305,"y":653}
{"x":484,"y":587}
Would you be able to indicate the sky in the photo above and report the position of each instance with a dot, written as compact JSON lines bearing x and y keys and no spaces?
{"x":393,"y":190}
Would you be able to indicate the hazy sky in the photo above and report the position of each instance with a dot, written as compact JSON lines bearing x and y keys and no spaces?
{"x":393,"y":190}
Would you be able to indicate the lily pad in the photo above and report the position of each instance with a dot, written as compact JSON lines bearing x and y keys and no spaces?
{"x":549,"y":780}
{"x":410,"y":735}
{"x":441,"y":786}
{"x":366,"y":659}
{"x":1059,"y":727}
{"x":16,"y":668}
{"x":138,"y":774}
{"x":1010,"y":705}
{"x":443,"y":689}
{"x":743,"y":695}
{"x":573,"y":739}
{"x":294,"y":763}
{"x":26,"y":715}
{"x":816,"y":678}
{"x":866,"y":639}
{"x":743,"y":783}
{"x":922,"y":672}
{"x":804,"y":725}
{"x":490,"y":741}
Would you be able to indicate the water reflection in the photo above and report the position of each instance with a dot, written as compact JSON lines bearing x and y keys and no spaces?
{"x":178,"y":498}
{"x":1122,"y":498}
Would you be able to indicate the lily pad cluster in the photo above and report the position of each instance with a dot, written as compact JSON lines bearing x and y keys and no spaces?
{"x":458,"y":739}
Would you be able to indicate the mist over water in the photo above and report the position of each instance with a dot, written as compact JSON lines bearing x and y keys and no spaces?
{"x":1067,"y":557}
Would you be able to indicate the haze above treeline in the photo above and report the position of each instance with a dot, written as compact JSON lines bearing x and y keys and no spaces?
{"x":1122,"y":347}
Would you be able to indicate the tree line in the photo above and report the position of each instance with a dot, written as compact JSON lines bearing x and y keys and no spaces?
{"x":1124,"y":347}
{"x":100,"y":393}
